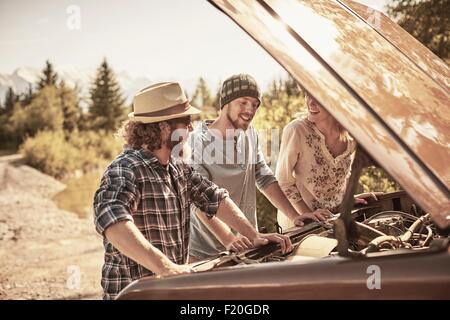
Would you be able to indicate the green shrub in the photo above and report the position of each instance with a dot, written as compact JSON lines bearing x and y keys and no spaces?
{"x":50,"y":153}
{"x":100,"y":144}
{"x":44,"y":113}
{"x":376,"y":179}
{"x":54,"y":154}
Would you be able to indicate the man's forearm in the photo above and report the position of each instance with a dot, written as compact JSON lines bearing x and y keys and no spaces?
{"x":127,"y":238}
{"x":220,"y":230}
{"x":230,"y":213}
{"x":277,"y":197}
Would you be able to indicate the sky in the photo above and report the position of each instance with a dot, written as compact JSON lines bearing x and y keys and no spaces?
{"x":150,"y":38}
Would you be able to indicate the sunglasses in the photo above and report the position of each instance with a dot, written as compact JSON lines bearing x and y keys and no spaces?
{"x":184,"y":120}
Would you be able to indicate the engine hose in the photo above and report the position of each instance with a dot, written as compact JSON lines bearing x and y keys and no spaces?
{"x":390,"y":212}
{"x":407,"y":235}
{"x":430,"y":234}
{"x":373,"y":245}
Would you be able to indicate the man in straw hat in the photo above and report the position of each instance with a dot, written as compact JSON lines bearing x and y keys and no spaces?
{"x":142,"y":204}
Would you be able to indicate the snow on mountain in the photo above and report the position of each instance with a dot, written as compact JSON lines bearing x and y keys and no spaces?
{"x":22,"y":77}
{"x":19,"y":80}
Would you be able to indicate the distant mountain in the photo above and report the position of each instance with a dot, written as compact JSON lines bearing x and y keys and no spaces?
{"x":19,"y":80}
{"x":22,"y":77}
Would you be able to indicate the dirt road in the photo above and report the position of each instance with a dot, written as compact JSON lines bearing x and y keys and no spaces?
{"x":45,"y":252}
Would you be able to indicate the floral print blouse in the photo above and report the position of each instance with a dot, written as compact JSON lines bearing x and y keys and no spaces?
{"x":307,"y":170}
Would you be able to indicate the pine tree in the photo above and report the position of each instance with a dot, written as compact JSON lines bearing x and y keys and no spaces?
{"x":275,"y":89}
{"x":426,"y":21}
{"x":69,"y":106}
{"x":203,"y":99}
{"x":291,"y":87}
{"x":49,"y":77}
{"x":106,"y":109}
{"x":27,"y":97}
{"x":216,"y":101}
{"x":202,"y":95}
{"x":6,"y":133}
{"x":10,"y":100}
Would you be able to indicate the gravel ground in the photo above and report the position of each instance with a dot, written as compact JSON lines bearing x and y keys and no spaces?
{"x":45,"y":252}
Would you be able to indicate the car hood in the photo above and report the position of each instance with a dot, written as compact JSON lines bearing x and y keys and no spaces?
{"x":387,"y":89}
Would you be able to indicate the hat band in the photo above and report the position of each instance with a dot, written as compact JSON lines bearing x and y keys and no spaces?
{"x":179,"y":108}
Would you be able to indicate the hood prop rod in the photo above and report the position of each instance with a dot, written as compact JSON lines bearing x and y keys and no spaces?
{"x":345,"y":227}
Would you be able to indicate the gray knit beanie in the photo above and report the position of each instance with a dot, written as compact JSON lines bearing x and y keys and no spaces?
{"x":236,"y":86}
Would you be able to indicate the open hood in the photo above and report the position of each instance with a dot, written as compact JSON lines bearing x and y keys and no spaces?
{"x":387,"y":89}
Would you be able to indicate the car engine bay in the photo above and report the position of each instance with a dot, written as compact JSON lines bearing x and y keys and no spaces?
{"x":390,"y":225}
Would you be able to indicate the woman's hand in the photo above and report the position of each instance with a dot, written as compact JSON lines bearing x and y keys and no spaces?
{"x":365,"y":198}
{"x":317,"y":215}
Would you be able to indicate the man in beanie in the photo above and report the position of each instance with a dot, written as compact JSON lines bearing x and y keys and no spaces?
{"x":226,"y":151}
{"x":142,"y":205}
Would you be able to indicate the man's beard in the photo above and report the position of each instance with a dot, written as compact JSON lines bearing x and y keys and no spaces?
{"x":236,"y":124}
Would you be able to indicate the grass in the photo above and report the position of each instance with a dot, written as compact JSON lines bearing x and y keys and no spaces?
{"x":79,"y":194}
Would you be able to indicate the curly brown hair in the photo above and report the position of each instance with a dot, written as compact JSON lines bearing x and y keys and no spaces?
{"x":137,"y":134}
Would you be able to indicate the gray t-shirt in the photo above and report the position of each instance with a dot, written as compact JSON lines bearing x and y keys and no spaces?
{"x":237,"y":165}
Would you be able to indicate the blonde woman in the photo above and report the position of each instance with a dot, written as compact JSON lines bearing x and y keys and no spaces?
{"x":314,"y":164}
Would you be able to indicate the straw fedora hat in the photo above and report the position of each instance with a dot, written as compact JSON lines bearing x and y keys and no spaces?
{"x":159,"y":102}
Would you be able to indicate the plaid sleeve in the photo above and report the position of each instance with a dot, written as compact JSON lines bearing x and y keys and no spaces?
{"x":204,"y":194}
{"x":115,"y":198}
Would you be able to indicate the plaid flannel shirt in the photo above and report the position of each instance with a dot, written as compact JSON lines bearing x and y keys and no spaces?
{"x":138,"y":188}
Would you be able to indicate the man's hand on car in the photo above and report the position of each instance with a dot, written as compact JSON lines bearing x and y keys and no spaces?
{"x":264,"y":238}
{"x":239,"y":244}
